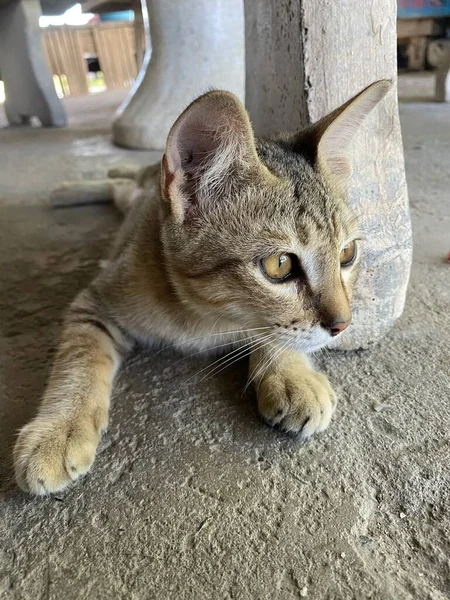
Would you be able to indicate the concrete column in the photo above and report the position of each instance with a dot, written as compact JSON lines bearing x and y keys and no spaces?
{"x":196,"y":45}
{"x":439,"y":57}
{"x":303,"y":59}
{"x":28,"y":82}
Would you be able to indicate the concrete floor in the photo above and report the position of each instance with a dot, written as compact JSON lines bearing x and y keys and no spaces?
{"x":192,"y":496}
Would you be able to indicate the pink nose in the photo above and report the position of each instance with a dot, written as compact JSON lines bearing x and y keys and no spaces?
{"x":336,"y":327}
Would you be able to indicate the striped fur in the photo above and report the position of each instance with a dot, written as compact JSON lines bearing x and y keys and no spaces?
{"x":185,"y":271}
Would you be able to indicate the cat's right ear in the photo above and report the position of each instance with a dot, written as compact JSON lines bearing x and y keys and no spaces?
{"x":208,"y":141}
{"x":328,"y":142}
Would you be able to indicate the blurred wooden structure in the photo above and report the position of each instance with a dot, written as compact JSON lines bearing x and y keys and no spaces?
{"x":111,"y":6}
{"x":420,"y":22}
{"x":68,"y":49}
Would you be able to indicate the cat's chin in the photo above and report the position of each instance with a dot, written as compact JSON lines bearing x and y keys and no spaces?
{"x":316,"y":342}
{"x":309,"y":348}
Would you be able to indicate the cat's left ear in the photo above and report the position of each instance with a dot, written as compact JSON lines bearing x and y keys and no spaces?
{"x":328,"y":142}
{"x":208,"y":147}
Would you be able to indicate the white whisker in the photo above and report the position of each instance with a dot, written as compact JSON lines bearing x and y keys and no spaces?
{"x":221,"y":358}
{"x":202,"y":337}
{"x":211,"y":348}
{"x":234,"y":354}
{"x":215,"y":323}
{"x":257,"y":345}
{"x":264,"y":364}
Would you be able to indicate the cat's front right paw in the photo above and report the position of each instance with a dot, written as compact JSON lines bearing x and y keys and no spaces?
{"x":297,"y":400}
{"x":50,"y":454}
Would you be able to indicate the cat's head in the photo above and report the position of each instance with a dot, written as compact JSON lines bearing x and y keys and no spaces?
{"x":257,"y":232}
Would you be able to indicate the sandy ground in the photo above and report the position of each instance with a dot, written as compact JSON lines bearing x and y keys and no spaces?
{"x":192,"y":496}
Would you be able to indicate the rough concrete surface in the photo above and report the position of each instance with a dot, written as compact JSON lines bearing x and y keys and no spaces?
{"x":191,"y":496}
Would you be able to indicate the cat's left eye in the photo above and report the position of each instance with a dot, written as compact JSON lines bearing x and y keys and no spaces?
{"x":348,"y":254}
{"x":277,"y":267}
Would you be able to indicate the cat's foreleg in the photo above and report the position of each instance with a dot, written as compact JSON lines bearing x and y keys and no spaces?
{"x":101,"y":191}
{"x":60,"y":443}
{"x":291,"y":394}
{"x":124,"y":171}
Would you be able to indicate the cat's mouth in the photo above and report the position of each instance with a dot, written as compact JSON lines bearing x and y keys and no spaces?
{"x":309,"y":340}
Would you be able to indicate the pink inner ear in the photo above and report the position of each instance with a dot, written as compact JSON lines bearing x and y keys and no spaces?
{"x":167,"y":176}
{"x":338,"y":129}
{"x":172,"y":156}
{"x":340,"y":166}
{"x":212,"y":122}
{"x":207,"y":139}
{"x":195,"y":140}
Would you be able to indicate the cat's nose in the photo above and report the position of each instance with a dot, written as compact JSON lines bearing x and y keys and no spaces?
{"x":336,"y":327}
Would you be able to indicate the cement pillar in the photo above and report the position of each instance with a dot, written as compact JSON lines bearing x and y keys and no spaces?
{"x":303,"y":59}
{"x":196,"y":45}
{"x":28,"y":82}
{"x":439,"y":57}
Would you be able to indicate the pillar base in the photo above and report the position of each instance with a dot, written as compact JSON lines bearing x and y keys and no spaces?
{"x":28,"y":82}
{"x":196,"y":45}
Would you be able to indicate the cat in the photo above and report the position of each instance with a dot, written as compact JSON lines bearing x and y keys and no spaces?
{"x":233,"y":242}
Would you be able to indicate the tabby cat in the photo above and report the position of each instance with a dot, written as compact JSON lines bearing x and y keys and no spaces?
{"x":244,"y":244}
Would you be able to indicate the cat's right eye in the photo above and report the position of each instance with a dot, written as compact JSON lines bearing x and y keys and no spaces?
{"x":277,"y":267}
{"x":348,"y":254}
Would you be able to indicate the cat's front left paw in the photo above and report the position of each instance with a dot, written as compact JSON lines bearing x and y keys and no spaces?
{"x":298,"y":401}
{"x":50,"y":454}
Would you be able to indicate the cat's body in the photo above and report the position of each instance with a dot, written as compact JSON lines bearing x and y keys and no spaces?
{"x":233,"y":243}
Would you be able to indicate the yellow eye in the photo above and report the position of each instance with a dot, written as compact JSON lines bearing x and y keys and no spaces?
{"x":277,"y":267}
{"x":348,"y":254}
